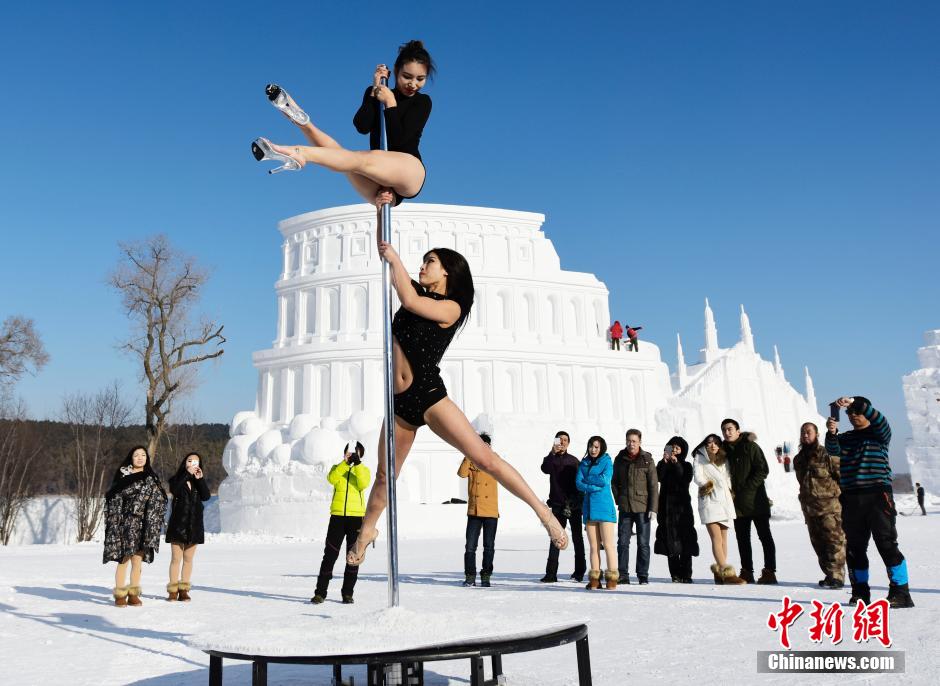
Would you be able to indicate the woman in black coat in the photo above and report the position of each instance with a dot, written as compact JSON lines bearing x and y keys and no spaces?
{"x":675,"y":533}
{"x":185,"y":530}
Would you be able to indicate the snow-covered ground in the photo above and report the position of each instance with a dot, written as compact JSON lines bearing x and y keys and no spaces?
{"x":58,"y":624}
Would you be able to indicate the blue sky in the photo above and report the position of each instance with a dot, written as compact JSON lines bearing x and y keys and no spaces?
{"x":784,"y":155}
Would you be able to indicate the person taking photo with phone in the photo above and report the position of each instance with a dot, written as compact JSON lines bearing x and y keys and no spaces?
{"x":566,"y":502}
{"x":868,"y":510}
{"x":185,"y":529}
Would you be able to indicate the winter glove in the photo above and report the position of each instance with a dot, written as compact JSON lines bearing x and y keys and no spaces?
{"x":706,"y":490}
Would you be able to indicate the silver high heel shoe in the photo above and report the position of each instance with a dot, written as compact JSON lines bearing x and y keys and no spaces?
{"x":262,"y":150}
{"x":282,"y":101}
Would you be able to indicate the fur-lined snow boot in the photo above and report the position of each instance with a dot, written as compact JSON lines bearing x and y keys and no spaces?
{"x":172,"y":591}
{"x":611,"y":576}
{"x":133,"y":596}
{"x":594,"y":580}
{"x":729,"y":578}
{"x":716,"y":572}
{"x":120,"y":596}
{"x":184,"y":591}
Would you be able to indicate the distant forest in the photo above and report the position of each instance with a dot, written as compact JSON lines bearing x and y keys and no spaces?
{"x":53,"y":470}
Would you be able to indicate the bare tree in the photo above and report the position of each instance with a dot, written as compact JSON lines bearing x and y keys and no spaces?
{"x":18,"y":449}
{"x":93,"y":421}
{"x":180,"y":434}
{"x":20,"y":349}
{"x":159,"y":288}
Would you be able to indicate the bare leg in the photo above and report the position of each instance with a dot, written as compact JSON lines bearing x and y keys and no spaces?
{"x":397,"y":170}
{"x":592,"y":534}
{"x":120,"y":574}
{"x":714,"y":533}
{"x":136,"y":561}
{"x":176,"y":559}
{"x":724,"y":542}
{"x":609,"y":536}
{"x":188,"y":554}
{"x":447,"y":421}
{"x":378,"y":497}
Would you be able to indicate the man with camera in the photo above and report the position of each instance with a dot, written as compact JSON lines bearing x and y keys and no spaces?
{"x":349,"y":478}
{"x":868,"y":510}
{"x":565,"y":500}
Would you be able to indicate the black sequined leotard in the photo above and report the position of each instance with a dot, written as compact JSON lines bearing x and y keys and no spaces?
{"x":423,"y":342}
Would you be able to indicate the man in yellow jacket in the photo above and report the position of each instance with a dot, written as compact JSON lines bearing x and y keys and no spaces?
{"x":482,"y":515}
{"x":349,"y":478}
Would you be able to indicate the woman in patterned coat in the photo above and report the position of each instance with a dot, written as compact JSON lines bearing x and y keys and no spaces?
{"x":135,"y":506}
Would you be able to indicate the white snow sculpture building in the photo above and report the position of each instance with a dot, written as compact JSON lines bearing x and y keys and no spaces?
{"x":533,"y":358}
{"x":922,"y":397}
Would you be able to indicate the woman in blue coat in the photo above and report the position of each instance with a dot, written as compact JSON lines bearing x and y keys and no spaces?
{"x":600,"y":514}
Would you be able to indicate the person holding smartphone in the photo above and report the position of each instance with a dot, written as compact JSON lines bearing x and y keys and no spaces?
{"x":185,"y":529}
{"x":675,"y":533}
{"x":566,"y":501}
{"x":868,"y":510}
{"x":349,"y":478}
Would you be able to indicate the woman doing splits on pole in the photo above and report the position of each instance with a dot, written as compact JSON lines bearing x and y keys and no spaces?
{"x":431,"y":313}
{"x":373,"y":171}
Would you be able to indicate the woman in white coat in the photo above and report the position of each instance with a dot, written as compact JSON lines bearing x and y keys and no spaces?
{"x":715,"y":503}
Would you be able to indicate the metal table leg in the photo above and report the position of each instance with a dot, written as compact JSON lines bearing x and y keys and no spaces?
{"x":215,"y":670}
{"x":259,"y":673}
{"x":584,"y":662}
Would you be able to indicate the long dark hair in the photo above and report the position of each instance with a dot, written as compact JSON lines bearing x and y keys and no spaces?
{"x":720,"y":456}
{"x":414,"y":51}
{"x":599,"y":439}
{"x":182,"y":472}
{"x":459,"y":280}
{"x":120,"y":480}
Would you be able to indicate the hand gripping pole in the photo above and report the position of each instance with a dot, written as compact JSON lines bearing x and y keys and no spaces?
{"x":391,"y":511}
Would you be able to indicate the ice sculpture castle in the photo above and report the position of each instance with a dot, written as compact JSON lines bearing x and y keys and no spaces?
{"x":533,"y":358}
{"x":922,"y":397}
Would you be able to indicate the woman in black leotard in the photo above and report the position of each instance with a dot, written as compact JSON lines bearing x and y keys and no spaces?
{"x":406,"y":113}
{"x":431,"y":313}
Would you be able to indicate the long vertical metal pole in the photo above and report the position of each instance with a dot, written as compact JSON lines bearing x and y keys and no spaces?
{"x":391,"y":512}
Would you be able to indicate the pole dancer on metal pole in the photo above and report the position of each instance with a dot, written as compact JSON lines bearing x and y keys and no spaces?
{"x":391,"y":512}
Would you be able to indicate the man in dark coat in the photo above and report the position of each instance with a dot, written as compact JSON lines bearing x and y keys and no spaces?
{"x":565,"y":500}
{"x":675,"y":531}
{"x":749,"y":470}
{"x":920,"y":499}
{"x":636,"y":492}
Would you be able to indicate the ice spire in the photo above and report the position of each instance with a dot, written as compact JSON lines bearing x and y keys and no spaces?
{"x":711,"y":334}
{"x":681,"y":371}
{"x":777,"y":366}
{"x":810,"y":391}
{"x":746,"y":336}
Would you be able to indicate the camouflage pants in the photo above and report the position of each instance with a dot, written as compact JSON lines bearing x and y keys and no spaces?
{"x":828,"y":539}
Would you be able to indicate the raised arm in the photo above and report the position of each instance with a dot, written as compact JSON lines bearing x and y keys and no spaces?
{"x":441,"y":311}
